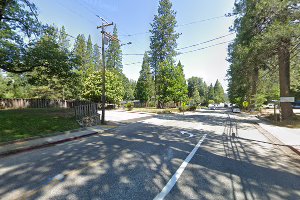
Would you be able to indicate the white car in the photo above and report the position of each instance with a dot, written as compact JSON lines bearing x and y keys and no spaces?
{"x":236,"y":110}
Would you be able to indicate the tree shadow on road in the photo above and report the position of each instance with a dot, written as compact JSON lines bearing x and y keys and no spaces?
{"x":137,"y":160}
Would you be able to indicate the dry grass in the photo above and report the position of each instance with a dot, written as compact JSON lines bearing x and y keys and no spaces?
{"x":156,"y":110}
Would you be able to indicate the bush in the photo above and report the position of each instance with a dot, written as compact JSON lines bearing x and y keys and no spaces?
{"x":183,"y":108}
{"x":129,"y":106}
{"x":192,"y":108}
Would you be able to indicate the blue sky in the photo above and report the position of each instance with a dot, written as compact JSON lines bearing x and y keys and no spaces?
{"x":133,"y":18}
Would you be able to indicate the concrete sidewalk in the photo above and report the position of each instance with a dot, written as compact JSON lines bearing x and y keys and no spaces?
{"x":24,"y":145}
{"x":288,"y":136}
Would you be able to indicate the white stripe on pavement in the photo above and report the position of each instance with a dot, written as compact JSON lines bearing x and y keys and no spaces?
{"x":178,"y":173}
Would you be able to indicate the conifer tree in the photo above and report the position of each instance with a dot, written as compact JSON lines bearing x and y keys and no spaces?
{"x":114,"y":53}
{"x":144,"y":86}
{"x":163,"y":38}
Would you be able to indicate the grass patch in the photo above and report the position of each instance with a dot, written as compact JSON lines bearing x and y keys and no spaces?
{"x":26,"y":123}
{"x":156,"y":110}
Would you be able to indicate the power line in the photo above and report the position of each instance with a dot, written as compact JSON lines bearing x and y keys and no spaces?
{"x":183,"y":52}
{"x":141,"y":54}
{"x":205,"y":47}
{"x":186,"y":24}
{"x":205,"y":41}
{"x":203,"y":20}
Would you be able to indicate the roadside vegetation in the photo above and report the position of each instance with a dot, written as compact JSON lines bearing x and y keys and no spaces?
{"x":27,"y":123}
{"x":264,"y":56}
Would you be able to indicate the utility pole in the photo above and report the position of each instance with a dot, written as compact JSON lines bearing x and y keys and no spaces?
{"x":104,"y":24}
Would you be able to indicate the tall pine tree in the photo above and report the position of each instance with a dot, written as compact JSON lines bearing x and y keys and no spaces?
{"x":163,"y":38}
{"x":114,"y":53}
{"x":218,"y":92}
{"x":97,"y":57}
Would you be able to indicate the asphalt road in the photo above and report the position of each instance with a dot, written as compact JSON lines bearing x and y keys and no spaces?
{"x":136,"y":161}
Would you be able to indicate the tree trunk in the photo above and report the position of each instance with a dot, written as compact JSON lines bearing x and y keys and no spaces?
{"x":255,"y":75}
{"x":284,"y":78}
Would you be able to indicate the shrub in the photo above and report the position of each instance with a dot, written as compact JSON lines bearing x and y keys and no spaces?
{"x":192,"y":108}
{"x":183,"y":108}
{"x":129,"y":106}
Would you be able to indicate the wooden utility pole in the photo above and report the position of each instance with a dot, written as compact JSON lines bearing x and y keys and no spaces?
{"x":104,"y":24}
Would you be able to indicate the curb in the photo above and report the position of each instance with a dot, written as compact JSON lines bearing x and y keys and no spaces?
{"x":287,"y":149}
{"x":48,"y":143}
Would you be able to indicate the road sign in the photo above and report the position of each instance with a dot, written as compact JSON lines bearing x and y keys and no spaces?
{"x":287,"y":99}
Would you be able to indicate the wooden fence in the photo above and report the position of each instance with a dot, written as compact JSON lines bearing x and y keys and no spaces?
{"x":39,"y":103}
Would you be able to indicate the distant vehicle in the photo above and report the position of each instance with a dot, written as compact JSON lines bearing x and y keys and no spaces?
{"x":212,"y":108}
{"x":236,"y":109}
{"x":270,"y":105}
{"x":296,"y":105}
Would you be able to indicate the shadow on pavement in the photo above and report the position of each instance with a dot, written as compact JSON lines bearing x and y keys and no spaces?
{"x":136,"y":161}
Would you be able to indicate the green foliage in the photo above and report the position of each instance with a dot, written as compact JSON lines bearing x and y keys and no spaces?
{"x":114,"y":53}
{"x":199,"y":84}
{"x":97,"y":58}
{"x":183,"y":107}
{"x":162,"y":40}
{"x":145,"y":87}
{"x":180,"y":89}
{"x":267,"y":40}
{"x":211,"y":92}
{"x":218,"y":92}
{"x":129,"y":88}
{"x":129,"y":106}
{"x":196,"y":97}
{"x":19,"y":31}
{"x":211,"y":101}
{"x":114,"y":87}
{"x":192,"y":108}
{"x":171,"y":84}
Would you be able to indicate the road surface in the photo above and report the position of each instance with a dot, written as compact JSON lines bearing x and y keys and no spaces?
{"x":192,"y":156}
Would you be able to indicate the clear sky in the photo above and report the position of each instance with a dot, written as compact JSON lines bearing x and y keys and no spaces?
{"x":133,"y":18}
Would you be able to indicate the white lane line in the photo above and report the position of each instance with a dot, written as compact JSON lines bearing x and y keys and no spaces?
{"x":178,"y":173}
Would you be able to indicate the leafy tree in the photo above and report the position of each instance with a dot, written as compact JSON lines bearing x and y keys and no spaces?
{"x":114,"y":87}
{"x":114,"y":53}
{"x":196,"y":97}
{"x":144,"y":86}
{"x":200,"y":85}
{"x":267,"y":31}
{"x":166,"y":80}
{"x":63,"y":40}
{"x":19,"y":30}
{"x":163,"y":38}
{"x":180,"y":89}
{"x":128,"y":88}
{"x":57,"y":72}
{"x":218,"y":92}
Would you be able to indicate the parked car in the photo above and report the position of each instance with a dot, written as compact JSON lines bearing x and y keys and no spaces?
{"x":212,"y":108}
{"x":296,"y":105}
{"x":236,"y":109}
{"x":270,"y":105}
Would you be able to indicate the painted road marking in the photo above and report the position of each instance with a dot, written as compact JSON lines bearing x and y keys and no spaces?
{"x":184,"y":132}
{"x":178,"y":173}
